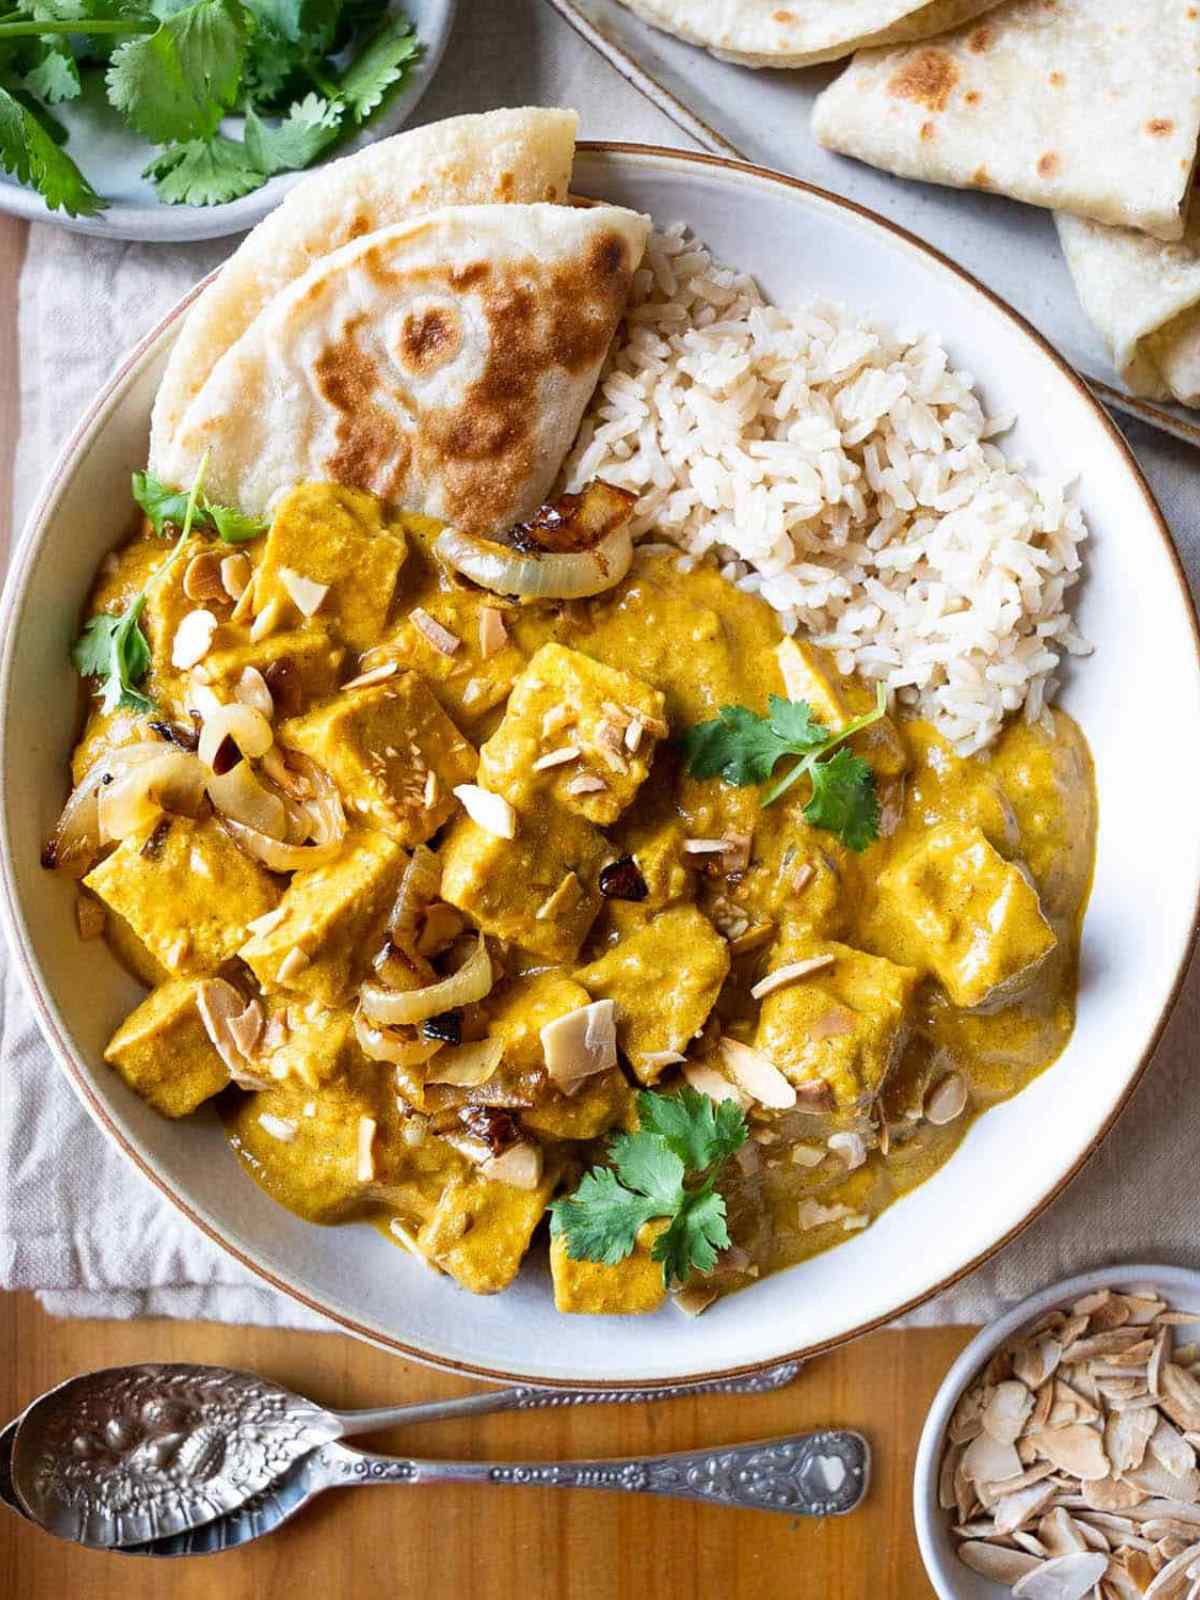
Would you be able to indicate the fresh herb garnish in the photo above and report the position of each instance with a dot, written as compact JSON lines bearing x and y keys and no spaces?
{"x":302,"y":72}
{"x":113,"y":649}
{"x":667,"y":1170}
{"x":744,"y":748}
{"x":168,"y":507}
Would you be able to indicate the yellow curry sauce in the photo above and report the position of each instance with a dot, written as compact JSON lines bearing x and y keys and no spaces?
{"x":941,"y":962}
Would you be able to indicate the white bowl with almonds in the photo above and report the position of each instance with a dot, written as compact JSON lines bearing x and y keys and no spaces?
{"x":1059,"y":1457}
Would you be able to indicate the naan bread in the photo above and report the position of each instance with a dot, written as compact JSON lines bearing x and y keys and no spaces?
{"x":1087,"y":106}
{"x":516,"y":156}
{"x":443,"y":365}
{"x":1144,"y":297}
{"x":799,"y":33}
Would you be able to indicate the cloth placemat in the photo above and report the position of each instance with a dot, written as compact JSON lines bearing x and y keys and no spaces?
{"x":78,"y":1223}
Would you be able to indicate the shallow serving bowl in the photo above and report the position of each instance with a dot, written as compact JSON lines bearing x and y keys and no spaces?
{"x":1138,"y":699}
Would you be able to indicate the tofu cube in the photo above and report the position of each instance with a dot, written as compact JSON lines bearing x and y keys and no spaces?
{"x":338,"y":537}
{"x":164,"y":1054}
{"x":304,"y":665}
{"x":186,"y":891}
{"x":392,"y":751}
{"x":524,"y":1008}
{"x":664,"y":978}
{"x":809,"y":674}
{"x":629,"y":1288}
{"x":480,"y":1231}
{"x":565,"y":699}
{"x":964,"y":913}
{"x":600,"y":1103}
{"x":537,"y":889}
{"x":317,"y":1045}
{"x":466,"y":682}
{"x":334,"y":916}
{"x":844,"y":1025}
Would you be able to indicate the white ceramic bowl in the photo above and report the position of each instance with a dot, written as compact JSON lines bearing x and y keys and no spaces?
{"x":950,"y":1577}
{"x":1138,"y":696}
{"x":112,"y":158}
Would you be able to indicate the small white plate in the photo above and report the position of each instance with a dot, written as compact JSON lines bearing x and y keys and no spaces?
{"x":952,"y":1579}
{"x":112,"y":158}
{"x":1138,"y":699}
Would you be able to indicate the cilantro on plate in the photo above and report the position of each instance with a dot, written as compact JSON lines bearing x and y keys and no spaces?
{"x":165,"y":506}
{"x":302,"y":74}
{"x":666,"y":1170}
{"x":743,"y":748}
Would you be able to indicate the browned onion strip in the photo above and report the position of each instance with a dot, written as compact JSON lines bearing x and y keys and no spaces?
{"x":77,"y":836}
{"x":377,"y":1044}
{"x":392,"y":1007}
{"x":419,"y":887}
{"x":503,"y":570}
{"x":327,"y":824}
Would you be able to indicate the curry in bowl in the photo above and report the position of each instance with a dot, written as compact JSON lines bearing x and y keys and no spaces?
{"x":467,"y":904}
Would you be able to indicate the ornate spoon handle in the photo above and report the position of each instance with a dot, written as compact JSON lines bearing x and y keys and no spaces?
{"x":815,"y":1474}
{"x":527,"y":1397}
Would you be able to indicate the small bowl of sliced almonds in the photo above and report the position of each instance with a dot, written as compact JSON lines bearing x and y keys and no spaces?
{"x":1059,"y":1459}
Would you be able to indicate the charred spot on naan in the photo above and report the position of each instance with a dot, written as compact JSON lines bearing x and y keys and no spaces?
{"x":928,"y":78}
{"x":484,"y":447}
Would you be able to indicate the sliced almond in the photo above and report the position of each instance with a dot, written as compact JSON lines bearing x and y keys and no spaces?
{"x":1007,"y":1411}
{"x":706,"y":1080}
{"x":277,"y":1127}
{"x":1037,"y":1361}
{"x":489,"y":811}
{"x":947,"y":1100}
{"x":235,"y":575}
{"x":1126,"y":1434}
{"x":852,"y":1150}
{"x":1060,"y":1534}
{"x":1180,"y":1396}
{"x":202,"y":579}
{"x":193,"y":639}
{"x":1063,"y":1577}
{"x":252,"y":691}
{"x":442,"y":640}
{"x":793,"y":972}
{"x":1077,"y":1449}
{"x":493,"y":635}
{"x":1017,"y":1509}
{"x":579,"y":1044}
{"x":1171,"y":1450}
{"x":385,"y":670}
{"x":997,"y":1562}
{"x":758,"y":1076}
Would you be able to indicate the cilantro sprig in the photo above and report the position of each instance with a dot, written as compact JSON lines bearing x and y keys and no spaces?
{"x":744,"y":748}
{"x":303,"y":73}
{"x":113,"y":649}
{"x":167,"y":507}
{"x":667,"y":1170}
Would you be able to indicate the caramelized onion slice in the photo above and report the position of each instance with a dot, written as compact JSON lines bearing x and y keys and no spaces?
{"x":472,"y":981}
{"x":135,"y":799}
{"x":77,"y":837}
{"x":420,"y":885}
{"x":239,"y":797}
{"x":321,"y":804}
{"x":467,"y":1066}
{"x":503,"y":570}
{"x":377,"y":1044}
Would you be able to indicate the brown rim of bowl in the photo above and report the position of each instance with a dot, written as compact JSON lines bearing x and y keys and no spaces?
{"x":100,"y":1114}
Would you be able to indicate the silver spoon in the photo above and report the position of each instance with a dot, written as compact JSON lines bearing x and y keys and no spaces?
{"x":819,"y":1474}
{"x":145,"y":1453}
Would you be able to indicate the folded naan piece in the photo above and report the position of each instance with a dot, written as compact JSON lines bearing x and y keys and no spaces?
{"x":443,"y":364}
{"x":1143,"y":295}
{"x":1087,"y":106}
{"x":799,"y":33}
{"x":517,"y":156}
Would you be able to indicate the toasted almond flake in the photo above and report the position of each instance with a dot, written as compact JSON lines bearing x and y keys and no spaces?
{"x":557,"y":758}
{"x":493,"y":635}
{"x":235,"y":575}
{"x":365,"y":1169}
{"x":442,"y":640}
{"x":1177,"y":1319}
{"x":252,"y":691}
{"x":1077,"y":1449}
{"x":807,"y":1155}
{"x":90,"y":917}
{"x":520,"y":1166}
{"x":1063,"y":1577}
{"x":692,"y":1301}
{"x":707,"y":1080}
{"x":1180,"y":1396}
{"x":1059,"y":1533}
{"x":558,"y":717}
{"x":200,"y":698}
{"x":991,"y":1460}
{"x":850,"y":1148}
{"x":1007,"y":1411}
{"x":563,"y":900}
{"x":1014,"y":1510}
{"x":278,"y":1127}
{"x":294,"y":962}
{"x":386,"y":669}
{"x":752,"y":939}
{"x":812,"y":1214}
{"x":633,"y":735}
{"x":580,"y":1043}
{"x":266,"y":621}
{"x":244,"y":608}
{"x":1126,"y":1435}
{"x":1034,"y":1363}
{"x":997,"y":1562}
{"x":802,"y":877}
{"x":586,"y":783}
{"x":947,"y":1100}
{"x":202,"y":578}
{"x":193,"y":638}
{"x":791,"y":973}
{"x":1089,"y":1303}
{"x":757,"y":1075}
{"x":310,"y":1108}
{"x":407,"y":1238}
{"x":246,"y":1029}
{"x":489,"y":811}
{"x":704,"y":847}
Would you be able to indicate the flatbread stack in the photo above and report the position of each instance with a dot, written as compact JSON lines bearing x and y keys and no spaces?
{"x":425,"y":320}
{"x":801,"y":33}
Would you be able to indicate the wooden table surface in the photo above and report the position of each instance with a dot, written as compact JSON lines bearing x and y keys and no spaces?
{"x":488,"y":1544}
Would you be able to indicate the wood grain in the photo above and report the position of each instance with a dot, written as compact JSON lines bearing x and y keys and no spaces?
{"x":508,"y":1544}
{"x":486,"y":1544}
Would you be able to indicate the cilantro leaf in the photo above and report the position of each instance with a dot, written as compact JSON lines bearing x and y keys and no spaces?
{"x":176,"y":84}
{"x":697,"y":1233}
{"x":383,"y":62}
{"x":309,"y":127}
{"x":164,"y":506}
{"x":844,"y":799}
{"x":600,"y":1221}
{"x":744,"y":748}
{"x":204,"y":172}
{"x":312,"y":23}
{"x":29,"y":152}
{"x":738,"y":744}
{"x":701,"y":1132}
{"x":54,"y":77}
{"x":114,"y":649}
{"x":679,"y":1137}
